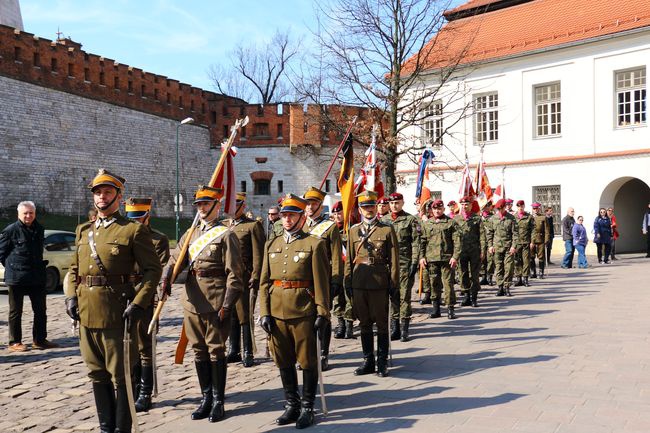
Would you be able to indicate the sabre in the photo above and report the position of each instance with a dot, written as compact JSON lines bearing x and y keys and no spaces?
{"x":154,"y":363}
{"x":251,"y":315}
{"x":390,"y":350}
{"x":127,"y":375}
{"x":320,"y":374}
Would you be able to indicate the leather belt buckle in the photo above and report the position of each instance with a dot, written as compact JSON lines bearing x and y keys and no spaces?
{"x":371,"y":260}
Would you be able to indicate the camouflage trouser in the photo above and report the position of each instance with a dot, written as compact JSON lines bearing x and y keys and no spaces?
{"x":440,"y":276}
{"x":342,"y":306}
{"x":403,"y":309}
{"x":522,"y":260}
{"x":539,"y":251}
{"x":426,"y":282}
{"x":503,"y":267}
{"x":468,"y":270}
{"x":487,"y":264}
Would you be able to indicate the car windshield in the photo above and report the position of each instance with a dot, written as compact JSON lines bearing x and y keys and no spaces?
{"x":59,"y":242}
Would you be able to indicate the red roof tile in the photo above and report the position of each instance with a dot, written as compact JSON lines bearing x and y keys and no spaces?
{"x":528,"y":27}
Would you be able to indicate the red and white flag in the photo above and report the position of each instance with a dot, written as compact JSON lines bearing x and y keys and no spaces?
{"x":483,"y":189}
{"x":466,"y":187}
{"x":228,"y":173}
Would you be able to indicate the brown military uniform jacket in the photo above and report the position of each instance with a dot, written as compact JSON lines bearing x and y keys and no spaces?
{"x":542,"y":231}
{"x":250,"y":234}
{"x":525,"y":225}
{"x":305,"y":259}
{"x":327,"y":230}
{"x":121,"y":245}
{"x":372,"y":263}
{"x":215,"y":276}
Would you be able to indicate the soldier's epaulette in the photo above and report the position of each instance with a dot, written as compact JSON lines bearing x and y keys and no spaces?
{"x":158,"y":232}
{"x":84,"y":226}
{"x":357,"y":224}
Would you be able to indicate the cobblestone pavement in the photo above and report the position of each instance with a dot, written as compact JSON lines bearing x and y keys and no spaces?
{"x":568,"y":354}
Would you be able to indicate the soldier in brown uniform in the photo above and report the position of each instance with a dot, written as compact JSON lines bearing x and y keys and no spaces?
{"x":101,"y":295}
{"x":251,"y":244}
{"x":439,"y":253}
{"x":372,"y":275}
{"x":213,"y":286}
{"x":139,"y":209}
{"x":294,"y":305}
{"x":541,"y":237}
{"x":342,"y":304}
{"x":320,"y":226}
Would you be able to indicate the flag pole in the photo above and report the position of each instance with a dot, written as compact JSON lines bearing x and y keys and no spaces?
{"x":345,"y":137}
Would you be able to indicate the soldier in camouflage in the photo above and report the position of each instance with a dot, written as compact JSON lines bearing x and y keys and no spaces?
{"x":502,"y":238}
{"x":525,"y":225}
{"x":541,"y":238}
{"x":487,"y":262}
{"x":407,"y":229}
{"x":472,"y":243}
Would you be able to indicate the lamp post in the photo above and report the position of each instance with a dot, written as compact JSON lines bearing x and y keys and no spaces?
{"x":185,"y":121}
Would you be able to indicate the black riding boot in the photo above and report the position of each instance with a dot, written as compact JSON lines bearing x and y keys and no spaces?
{"x":326,"y":339}
{"x":105,"y":403}
{"x":541,"y":271}
{"x":501,"y":292}
{"x":436,"y":309}
{"x":143,"y":402}
{"x":309,"y":384}
{"x":426,"y":299}
{"x":122,"y":411}
{"x":340,"y":329}
{"x":450,"y":312}
{"x":519,"y":282}
{"x":467,"y":300}
{"x":382,"y":355}
{"x":349,"y":330}
{"x":205,"y":382}
{"x":484,"y":281}
{"x":289,"y":378}
{"x":234,"y":349}
{"x":475,"y":299}
{"x":218,"y":371}
{"x":491,"y":280}
{"x":405,"y":331}
{"x":533,"y":269}
{"x":395,"y":332}
{"x":507,"y":289}
{"x":526,"y":283}
{"x":247,"y":339}
{"x":368,"y":365}
{"x":136,"y":377}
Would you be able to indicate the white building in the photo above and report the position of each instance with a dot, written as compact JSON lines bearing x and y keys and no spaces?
{"x":557,"y":97}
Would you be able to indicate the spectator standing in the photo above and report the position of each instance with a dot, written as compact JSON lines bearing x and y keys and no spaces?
{"x":273,"y":217}
{"x":549,"y":245}
{"x":567,"y":236}
{"x":92,"y":215}
{"x":615,"y":234}
{"x":579,"y":234}
{"x":21,"y":253}
{"x":645,"y":229}
{"x":603,"y":235}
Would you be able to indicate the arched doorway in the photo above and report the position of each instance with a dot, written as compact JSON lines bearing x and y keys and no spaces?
{"x":629,"y":197}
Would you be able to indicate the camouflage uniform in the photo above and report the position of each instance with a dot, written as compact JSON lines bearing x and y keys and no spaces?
{"x":525,"y":227}
{"x":487,"y":262}
{"x":541,"y":238}
{"x":472,"y":244}
{"x":502,"y":234}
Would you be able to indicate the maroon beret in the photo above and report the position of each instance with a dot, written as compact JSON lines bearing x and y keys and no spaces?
{"x":437,"y":204}
{"x":337,"y":207}
{"x":465,"y":199}
{"x":500,"y":204}
{"x":520,"y":203}
{"x":395,"y":196}
{"x":382,"y":200}
{"x":451,"y":203}
{"x":536,"y":205}
{"x":508,"y":201}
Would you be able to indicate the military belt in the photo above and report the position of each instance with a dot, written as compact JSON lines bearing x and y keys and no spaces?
{"x":208,"y":273}
{"x":368,"y":261}
{"x":100,"y":280}
{"x":296,"y":284}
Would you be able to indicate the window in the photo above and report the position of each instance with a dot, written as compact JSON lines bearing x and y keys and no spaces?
{"x":327,"y":185}
{"x":261,"y":129}
{"x":70,"y":69}
{"x":279,"y":130}
{"x":213,"y":116}
{"x":130,"y":86}
{"x":242,"y":186}
{"x":225,"y":131}
{"x":116,"y":83}
{"x":436,"y":195}
{"x":59,"y":242}
{"x":37,"y":60}
{"x":156,"y":94}
{"x":102,"y":79}
{"x":262,"y":187}
{"x":631,"y":97}
{"x":550,"y":196}
{"x":17,"y":54}
{"x":548,"y":112}
{"x":280,"y":186}
{"x":432,"y":123}
{"x":54,"y":65}
{"x":86,"y":74}
{"x":486,"y":118}
{"x":143,"y":91}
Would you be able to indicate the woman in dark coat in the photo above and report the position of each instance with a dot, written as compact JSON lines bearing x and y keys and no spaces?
{"x":603,"y":235}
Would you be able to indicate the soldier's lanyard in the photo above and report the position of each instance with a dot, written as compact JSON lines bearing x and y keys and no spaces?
{"x":95,"y":256}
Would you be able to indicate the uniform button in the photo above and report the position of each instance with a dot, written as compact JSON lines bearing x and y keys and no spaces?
{"x":286,"y":256}
{"x":284,"y":271}
{"x":90,"y":267}
{"x":285,"y":263}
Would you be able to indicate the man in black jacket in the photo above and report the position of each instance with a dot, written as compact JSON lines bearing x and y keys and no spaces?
{"x":567,"y":236}
{"x":21,"y":253}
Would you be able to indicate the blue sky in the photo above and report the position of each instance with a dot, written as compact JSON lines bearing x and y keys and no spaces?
{"x":179,"y":39}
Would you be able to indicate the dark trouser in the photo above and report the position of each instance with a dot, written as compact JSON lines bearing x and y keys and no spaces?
{"x":567,"y":261}
{"x":647,"y":239}
{"x":549,"y":247}
{"x":599,"y":250}
{"x":143,"y":337}
{"x":37,"y":297}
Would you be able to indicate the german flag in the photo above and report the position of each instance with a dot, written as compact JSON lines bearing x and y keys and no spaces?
{"x":346,"y":181}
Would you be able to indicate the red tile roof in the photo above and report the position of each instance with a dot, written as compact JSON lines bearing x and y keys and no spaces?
{"x":529,"y":27}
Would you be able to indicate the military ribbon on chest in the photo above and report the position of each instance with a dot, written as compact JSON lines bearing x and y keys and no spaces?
{"x":206,"y":238}
{"x":321,"y":228}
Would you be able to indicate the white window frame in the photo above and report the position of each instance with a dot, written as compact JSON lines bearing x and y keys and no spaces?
{"x":547,"y":110}
{"x":630,"y":98}
{"x":486,"y":118}
{"x":432,"y":124}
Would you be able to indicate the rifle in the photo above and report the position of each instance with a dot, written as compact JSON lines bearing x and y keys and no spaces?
{"x":182,"y":342}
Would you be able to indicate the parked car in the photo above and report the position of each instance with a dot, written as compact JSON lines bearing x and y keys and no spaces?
{"x":58,"y":249}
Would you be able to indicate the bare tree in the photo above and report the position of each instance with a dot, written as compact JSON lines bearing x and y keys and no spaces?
{"x":258,"y":73}
{"x":376,"y":53}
